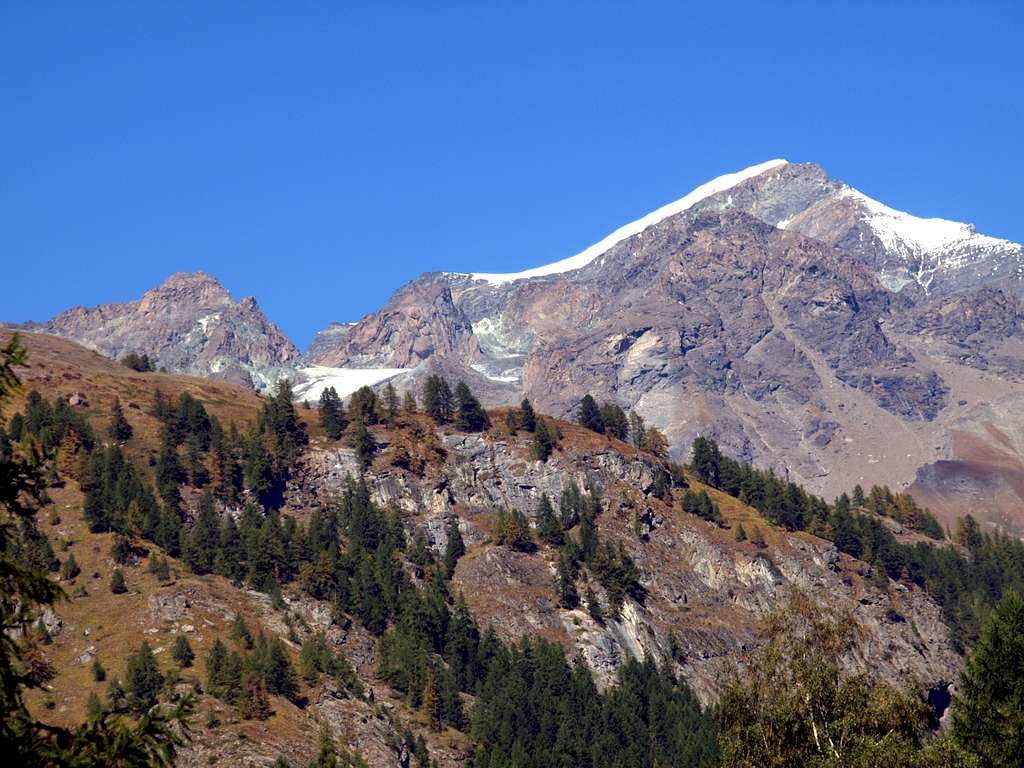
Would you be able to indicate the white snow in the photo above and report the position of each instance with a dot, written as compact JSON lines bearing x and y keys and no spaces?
{"x":504,"y":377}
{"x":784,"y":223}
{"x":583,"y":258}
{"x":344,"y":380}
{"x":926,"y":246}
{"x":898,"y":228}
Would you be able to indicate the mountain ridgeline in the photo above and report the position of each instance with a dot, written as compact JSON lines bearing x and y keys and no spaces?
{"x":777,"y":310}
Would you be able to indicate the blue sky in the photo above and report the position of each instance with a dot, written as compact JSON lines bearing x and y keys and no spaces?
{"x":318,"y":155}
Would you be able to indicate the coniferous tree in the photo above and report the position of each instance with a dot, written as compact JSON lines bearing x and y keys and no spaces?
{"x":706,"y":461}
{"x":182,"y":651}
{"x":614,"y":421}
{"x":119,"y":429}
{"x":988,"y":709}
{"x":454,"y":546}
{"x":362,"y":441}
{"x":637,"y":429}
{"x":200,"y":545}
{"x":280,"y":420}
{"x":93,"y":707}
{"x":545,"y":440}
{"x":143,"y":680}
{"x":565,"y":582}
{"x":437,"y":399}
{"x":240,"y":632}
{"x":99,"y":674}
{"x":589,"y":415}
{"x":527,"y":416}
{"x":469,"y":414}
{"x":549,"y":528}
{"x":332,"y":413}
{"x":253,"y":703}
{"x":117,"y":584}
{"x":364,"y":406}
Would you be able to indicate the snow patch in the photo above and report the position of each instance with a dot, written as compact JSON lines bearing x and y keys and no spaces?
{"x":583,"y":258}
{"x":345,"y":381}
{"x":505,"y":377}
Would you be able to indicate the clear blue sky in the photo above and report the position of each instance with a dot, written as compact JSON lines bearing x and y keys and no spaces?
{"x":318,"y":155}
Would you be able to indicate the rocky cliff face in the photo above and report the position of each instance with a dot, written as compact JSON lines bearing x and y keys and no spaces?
{"x":709,"y":590}
{"x":189,"y":324}
{"x":783,"y":313}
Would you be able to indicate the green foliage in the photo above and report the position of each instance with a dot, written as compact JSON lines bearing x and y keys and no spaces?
{"x":589,"y":415}
{"x":792,"y":706}
{"x":534,"y":709}
{"x":117,"y":583}
{"x":470,"y":416}
{"x":138,"y":362}
{"x":545,"y":439}
{"x":182,"y":651}
{"x":143,"y":680}
{"x":362,"y":441}
{"x":437,"y":399}
{"x":513,"y":530}
{"x":280,"y":422}
{"x":455,"y":547}
{"x":700,"y":504}
{"x":988,"y":709}
{"x":614,"y":421}
{"x":706,"y":461}
{"x":332,"y":414}
{"x":549,"y":527}
{"x":527,"y":416}
{"x":119,"y":429}
{"x":99,"y":674}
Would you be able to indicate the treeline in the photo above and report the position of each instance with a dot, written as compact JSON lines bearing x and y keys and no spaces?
{"x":965,"y":583}
{"x":610,"y":419}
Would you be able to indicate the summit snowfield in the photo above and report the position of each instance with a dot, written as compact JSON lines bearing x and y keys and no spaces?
{"x":581,"y":259}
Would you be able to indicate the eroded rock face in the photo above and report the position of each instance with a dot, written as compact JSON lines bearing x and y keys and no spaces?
{"x":711,"y":592}
{"x":188,"y":324}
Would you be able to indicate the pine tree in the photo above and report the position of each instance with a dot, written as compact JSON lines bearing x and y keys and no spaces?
{"x":470,"y":416}
{"x":454,"y":547}
{"x":614,"y":420}
{"x":589,"y":415}
{"x":544,"y":440}
{"x":437,"y":399}
{"x":199,"y":546}
{"x":279,"y":674}
{"x":182,"y":651}
{"x":117,"y":584}
{"x":362,"y":441}
{"x":549,"y":529}
{"x":527,"y":416}
{"x":988,"y":709}
{"x":332,"y":413}
{"x":99,"y":674}
{"x":706,"y":461}
{"x":240,"y":632}
{"x":594,"y":606}
{"x":143,"y":680}
{"x":565,"y":582}
{"x":119,"y":429}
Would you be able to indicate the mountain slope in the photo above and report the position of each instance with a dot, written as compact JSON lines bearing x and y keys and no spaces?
{"x":188,"y":324}
{"x":760,"y":309}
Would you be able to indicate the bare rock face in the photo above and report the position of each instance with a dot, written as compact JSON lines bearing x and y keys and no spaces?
{"x":418,"y":322}
{"x":188,"y":324}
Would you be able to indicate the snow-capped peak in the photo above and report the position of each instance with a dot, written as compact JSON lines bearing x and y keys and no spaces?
{"x":583,"y":258}
{"x":898,"y":229}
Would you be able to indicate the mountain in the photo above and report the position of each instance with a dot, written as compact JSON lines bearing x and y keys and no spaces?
{"x":778,"y":310}
{"x":697,"y":603}
{"x":189,"y":324}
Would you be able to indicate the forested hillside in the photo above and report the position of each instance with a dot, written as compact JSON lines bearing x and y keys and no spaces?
{"x":420,"y":581}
